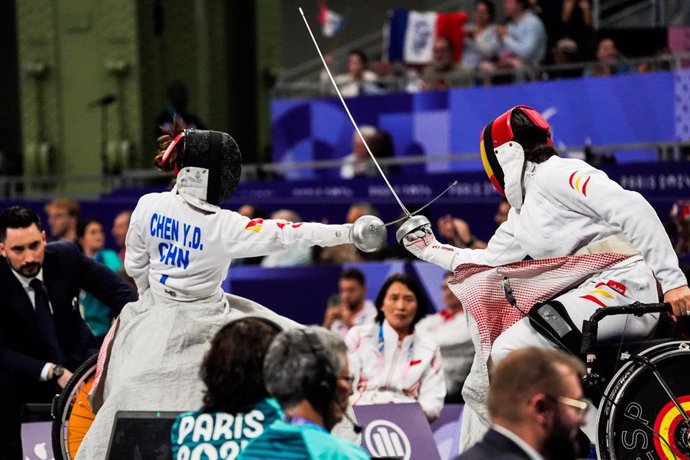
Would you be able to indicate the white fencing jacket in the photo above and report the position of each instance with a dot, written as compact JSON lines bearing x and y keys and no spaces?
{"x":181,"y":252}
{"x":393,"y":371}
{"x":568,"y":205}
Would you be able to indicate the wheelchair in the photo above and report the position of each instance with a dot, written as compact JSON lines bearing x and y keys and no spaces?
{"x":71,"y":412}
{"x":642,"y":390}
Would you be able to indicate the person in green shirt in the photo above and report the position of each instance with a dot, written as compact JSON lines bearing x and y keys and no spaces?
{"x":237,"y":407}
{"x":91,"y":239}
{"x":306,"y":370}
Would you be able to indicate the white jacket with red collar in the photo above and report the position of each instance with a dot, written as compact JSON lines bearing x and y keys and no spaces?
{"x":388,"y":370}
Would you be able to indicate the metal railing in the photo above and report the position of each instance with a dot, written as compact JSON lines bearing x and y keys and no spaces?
{"x":399,"y":80}
{"x":42,"y":187}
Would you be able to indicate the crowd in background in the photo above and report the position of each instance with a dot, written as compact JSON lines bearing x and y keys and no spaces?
{"x":536,"y":40}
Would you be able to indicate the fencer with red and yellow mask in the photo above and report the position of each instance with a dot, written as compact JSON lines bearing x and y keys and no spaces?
{"x":560,"y":207}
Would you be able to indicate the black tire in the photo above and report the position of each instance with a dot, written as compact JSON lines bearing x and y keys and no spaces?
{"x":62,"y":407}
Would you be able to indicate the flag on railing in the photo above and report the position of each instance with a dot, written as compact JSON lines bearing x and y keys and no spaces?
{"x":331,"y":22}
{"x":409,"y":35}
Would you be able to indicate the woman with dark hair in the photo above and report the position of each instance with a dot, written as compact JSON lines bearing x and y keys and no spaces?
{"x":389,"y":361}
{"x":237,"y":407}
{"x":91,"y":239}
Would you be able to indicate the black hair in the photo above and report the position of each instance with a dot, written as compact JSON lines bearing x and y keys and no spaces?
{"x":490,"y":8}
{"x":17,"y":217}
{"x":353,"y":274}
{"x":412,"y":285}
{"x":533,"y":139}
{"x":361,"y":54}
{"x":232,"y":369}
{"x":82,"y":224}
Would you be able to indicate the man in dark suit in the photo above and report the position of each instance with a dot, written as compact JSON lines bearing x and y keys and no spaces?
{"x":43,"y":338}
{"x":537,"y":407}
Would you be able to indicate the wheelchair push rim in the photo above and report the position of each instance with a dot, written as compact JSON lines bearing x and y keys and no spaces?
{"x":73,"y":416}
{"x":636,"y":418}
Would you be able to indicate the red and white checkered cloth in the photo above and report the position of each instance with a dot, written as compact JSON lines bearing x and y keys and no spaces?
{"x":96,"y":393}
{"x":480,"y":288}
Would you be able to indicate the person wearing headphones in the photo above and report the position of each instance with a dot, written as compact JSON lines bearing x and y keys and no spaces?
{"x":237,"y":407}
{"x":390,"y":361}
{"x":560,"y":207}
{"x":180,"y":244}
{"x":307,"y":371}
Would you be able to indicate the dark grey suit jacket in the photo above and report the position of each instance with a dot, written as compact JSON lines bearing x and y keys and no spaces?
{"x":494,"y":446}
{"x":23,"y":350}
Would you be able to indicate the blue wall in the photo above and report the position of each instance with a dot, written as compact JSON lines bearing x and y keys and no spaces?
{"x":620,"y":109}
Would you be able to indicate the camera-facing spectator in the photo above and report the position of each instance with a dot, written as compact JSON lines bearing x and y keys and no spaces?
{"x":609,"y":61}
{"x":390,"y":361}
{"x":349,"y":307}
{"x":481,"y":41}
{"x":63,"y":216}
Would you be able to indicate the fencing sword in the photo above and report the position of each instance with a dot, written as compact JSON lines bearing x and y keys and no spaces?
{"x":414,"y":220}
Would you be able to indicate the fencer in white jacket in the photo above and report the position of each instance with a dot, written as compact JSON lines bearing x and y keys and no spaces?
{"x":389,"y":361}
{"x":179,"y":247}
{"x":562,"y":207}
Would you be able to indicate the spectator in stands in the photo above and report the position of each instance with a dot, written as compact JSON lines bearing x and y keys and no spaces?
{"x":576,"y":23}
{"x":358,"y":163}
{"x":43,"y":338}
{"x":358,"y":80}
{"x":522,"y":41}
{"x":536,"y":405}
{"x":236,"y":406}
{"x":457,"y":232}
{"x":564,"y":52}
{"x":63,"y":215}
{"x":443,"y":72}
{"x":349,"y":307}
{"x":119,"y":231}
{"x":91,"y":238}
{"x":252,"y":210}
{"x":502,"y":212}
{"x":307,"y":371}
{"x":288,"y":257}
{"x":346,"y":253}
{"x":680,"y":216}
{"x":609,"y":60}
{"x":374,"y":351}
{"x":481,"y":40}
{"x":449,"y":329}
{"x":178,"y":100}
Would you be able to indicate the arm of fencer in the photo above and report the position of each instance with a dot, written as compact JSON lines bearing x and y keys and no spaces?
{"x":246,"y":237}
{"x":501,"y":249}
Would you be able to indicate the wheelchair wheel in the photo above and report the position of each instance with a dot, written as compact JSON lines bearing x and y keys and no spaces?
{"x":636,"y":418}
{"x":72,"y":416}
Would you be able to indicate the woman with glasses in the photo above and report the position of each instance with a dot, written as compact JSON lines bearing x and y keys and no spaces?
{"x":390,"y":362}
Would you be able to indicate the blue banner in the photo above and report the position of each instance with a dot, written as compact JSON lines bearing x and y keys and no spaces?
{"x":621,"y":109}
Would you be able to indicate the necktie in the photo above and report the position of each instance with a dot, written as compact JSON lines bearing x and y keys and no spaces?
{"x":45,"y":321}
